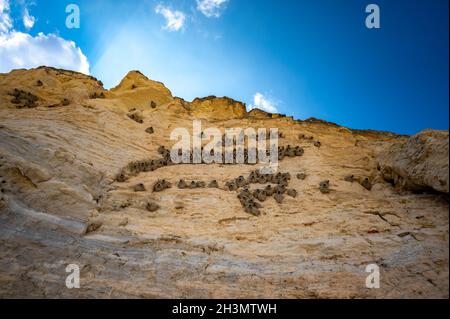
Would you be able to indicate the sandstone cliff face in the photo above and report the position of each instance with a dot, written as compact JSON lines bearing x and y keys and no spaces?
{"x":138,"y":91}
{"x":61,"y":201}
{"x":49,"y":86}
{"x":259,"y":114}
{"x":214,"y":108}
{"x":418,"y":163}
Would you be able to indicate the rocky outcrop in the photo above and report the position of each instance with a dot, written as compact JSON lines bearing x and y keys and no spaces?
{"x":259,"y":114}
{"x":419,"y":163}
{"x":50,"y":87}
{"x":63,"y":201}
{"x":217,"y":108}
{"x":140,"y":92}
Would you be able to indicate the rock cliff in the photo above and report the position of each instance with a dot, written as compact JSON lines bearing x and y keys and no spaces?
{"x":84,"y":181}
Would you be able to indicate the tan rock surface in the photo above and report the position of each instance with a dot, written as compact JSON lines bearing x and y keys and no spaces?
{"x":214,"y":108}
{"x":60,"y":203}
{"x":418,"y":163}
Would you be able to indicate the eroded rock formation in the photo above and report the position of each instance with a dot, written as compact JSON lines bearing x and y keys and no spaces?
{"x":61,"y":202}
{"x":418,"y":163}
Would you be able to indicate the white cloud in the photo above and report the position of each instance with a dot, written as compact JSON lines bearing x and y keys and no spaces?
{"x":174,"y":19}
{"x":21,"y":50}
{"x":5,"y":19}
{"x":211,"y":8}
{"x":263,"y":103}
{"x":28,"y":20}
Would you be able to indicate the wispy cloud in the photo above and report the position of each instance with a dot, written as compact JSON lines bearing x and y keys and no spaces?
{"x":263,"y":103}
{"x":28,"y":20}
{"x":22,"y":50}
{"x":174,"y":19}
{"x":5,"y":18}
{"x":211,"y":8}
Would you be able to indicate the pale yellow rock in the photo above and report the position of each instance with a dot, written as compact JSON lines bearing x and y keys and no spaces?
{"x":259,"y":114}
{"x":61,"y":205}
{"x":418,"y":163}
{"x":214,"y":108}
{"x":139,"y":92}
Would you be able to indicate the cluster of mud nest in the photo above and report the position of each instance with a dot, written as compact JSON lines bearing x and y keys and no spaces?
{"x":150,"y":165}
{"x":276,"y":185}
{"x":97,"y":95}
{"x":23,"y":99}
{"x":250,"y":200}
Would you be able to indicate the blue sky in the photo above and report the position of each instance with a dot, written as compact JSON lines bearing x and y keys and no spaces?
{"x":306,"y":58}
